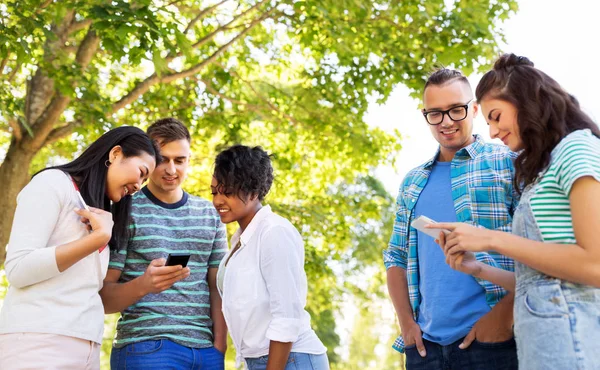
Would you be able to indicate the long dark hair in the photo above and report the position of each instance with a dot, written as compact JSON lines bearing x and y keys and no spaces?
{"x":546,"y":113}
{"x":89,"y":170}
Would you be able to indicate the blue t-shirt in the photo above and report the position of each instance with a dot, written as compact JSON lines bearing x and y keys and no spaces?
{"x":451,"y":302}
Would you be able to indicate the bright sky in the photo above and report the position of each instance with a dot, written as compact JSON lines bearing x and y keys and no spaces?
{"x":558,"y":36}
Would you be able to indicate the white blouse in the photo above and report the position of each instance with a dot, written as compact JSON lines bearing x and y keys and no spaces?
{"x":264,"y":289}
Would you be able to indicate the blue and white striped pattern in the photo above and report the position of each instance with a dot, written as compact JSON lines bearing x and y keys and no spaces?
{"x":483,"y":195}
{"x":182,"y":312}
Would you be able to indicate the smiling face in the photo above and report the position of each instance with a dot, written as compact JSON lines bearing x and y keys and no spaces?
{"x":501,"y":116}
{"x":172,"y":171}
{"x":126,"y":175}
{"x":451,"y":135}
{"x":231,"y":208}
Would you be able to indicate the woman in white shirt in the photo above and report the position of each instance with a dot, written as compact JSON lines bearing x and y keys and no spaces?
{"x":57,"y":254}
{"x":262,"y":280}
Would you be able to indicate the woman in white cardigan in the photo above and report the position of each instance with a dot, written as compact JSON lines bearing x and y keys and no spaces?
{"x":57,"y":254}
{"x":262,"y":280}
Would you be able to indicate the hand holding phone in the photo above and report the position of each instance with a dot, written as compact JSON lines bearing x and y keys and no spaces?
{"x":175,"y":259}
{"x":420,"y":222}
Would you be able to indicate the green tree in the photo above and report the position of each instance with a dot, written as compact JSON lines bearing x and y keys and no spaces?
{"x":291,"y":75}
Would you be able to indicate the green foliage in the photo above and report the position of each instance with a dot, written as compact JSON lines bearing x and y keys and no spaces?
{"x":292,"y":76}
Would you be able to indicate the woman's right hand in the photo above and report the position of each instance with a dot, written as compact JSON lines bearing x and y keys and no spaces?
{"x":98,"y":220}
{"x":464,"y":262}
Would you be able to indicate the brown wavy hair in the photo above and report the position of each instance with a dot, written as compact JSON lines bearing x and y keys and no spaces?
{"x":546,"y":113}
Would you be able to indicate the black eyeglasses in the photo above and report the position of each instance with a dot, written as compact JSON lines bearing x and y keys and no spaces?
{"x":458,"y":113}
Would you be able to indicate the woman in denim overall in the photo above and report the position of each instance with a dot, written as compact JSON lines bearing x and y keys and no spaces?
{"x":554,"y":238}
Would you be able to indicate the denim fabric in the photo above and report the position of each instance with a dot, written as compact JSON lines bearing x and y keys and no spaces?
{"x":557,"y":323}
{"x":478,"y":356}
{"x":165,"y":355}
{"x":296,"y":361}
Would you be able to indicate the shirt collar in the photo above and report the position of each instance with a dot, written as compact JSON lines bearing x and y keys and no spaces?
{"x":244,"y":237}
{"x":472,"y":150}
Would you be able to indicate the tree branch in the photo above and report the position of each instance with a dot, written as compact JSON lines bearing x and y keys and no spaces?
{"x":43,"y":6}
{"x":142,"y":87}
{"x":3,"y":63}
{"x":14,"y":72}
{"x":87,"y":48}
{"x":222,"y":28}
{"x":16,"y":129}
{"x":202,"y":14}
{"x":43,"y":126}
{"x":77,"y":26}
{"x":261,"y":97}
{"x":198,"y":67}
{"x":61,"y":132}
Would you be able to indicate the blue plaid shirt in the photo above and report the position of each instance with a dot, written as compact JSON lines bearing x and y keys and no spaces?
{"x":483,"y":195}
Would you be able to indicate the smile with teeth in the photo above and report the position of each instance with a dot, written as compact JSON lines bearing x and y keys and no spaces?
{"x":449,"y":132}
{"x":222,"y":210}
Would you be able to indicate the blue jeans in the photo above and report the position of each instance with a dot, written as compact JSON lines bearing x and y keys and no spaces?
{"x":478,"y":356}
{"x":296,"y":361}
{"x":165,"y":355}
{"x":557,"y":323}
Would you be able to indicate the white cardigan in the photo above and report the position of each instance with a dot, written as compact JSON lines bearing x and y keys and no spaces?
{"x":41,"y":299}
{"x":264,"y":289}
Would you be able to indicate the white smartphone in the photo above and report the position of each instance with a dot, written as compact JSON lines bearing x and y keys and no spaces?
{"x":420,"y":222}
{"x":82,"y":201}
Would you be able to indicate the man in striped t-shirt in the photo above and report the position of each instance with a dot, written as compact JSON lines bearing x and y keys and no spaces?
{"x":170,"y":316}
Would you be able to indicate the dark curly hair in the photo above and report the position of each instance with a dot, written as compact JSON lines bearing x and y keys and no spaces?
{"x":546,"y":113}
{"x":244,"y":171}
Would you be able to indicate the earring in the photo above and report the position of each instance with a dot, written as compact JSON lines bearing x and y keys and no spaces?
{"x":107,"y":163}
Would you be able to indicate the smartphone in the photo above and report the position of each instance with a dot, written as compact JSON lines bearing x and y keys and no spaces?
{"x":420,"y":222}
{"x":175,"y":259}
{"x":82,"y":201}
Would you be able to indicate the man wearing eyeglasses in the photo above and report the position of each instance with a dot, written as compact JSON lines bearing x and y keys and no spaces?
{"x":450,"y":320}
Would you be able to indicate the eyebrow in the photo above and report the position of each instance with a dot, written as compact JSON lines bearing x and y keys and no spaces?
{"x":454,"y":105}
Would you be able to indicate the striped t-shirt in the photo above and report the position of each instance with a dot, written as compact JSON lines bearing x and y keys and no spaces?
{"x":182,"y":312}
{"x":576,"y":156}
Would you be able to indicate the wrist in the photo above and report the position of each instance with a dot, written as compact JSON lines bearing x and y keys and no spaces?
{"x":98,"y":239}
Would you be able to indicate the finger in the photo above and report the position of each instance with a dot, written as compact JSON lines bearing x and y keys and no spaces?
{"x":84,"y":213}
{"x":468,"y":339}
{"x":443,"y":225}
{"x":158,"y":262}
{"x":165,"y":271}
{"x":420,"y":346}
{"x":169,"y":282}
{"x":442,"y":238}
{"x":173,"y":274}
{"x":96,"y":210}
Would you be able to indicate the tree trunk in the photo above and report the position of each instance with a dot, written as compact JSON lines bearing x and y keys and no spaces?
{"x":14,"y":175}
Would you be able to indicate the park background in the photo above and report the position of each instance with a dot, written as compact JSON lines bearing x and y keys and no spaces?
{"x":331,"y":87}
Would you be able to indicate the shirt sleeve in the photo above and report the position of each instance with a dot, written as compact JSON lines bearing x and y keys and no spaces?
{"x":397,"y":251}
{"x":117,"y":258}
{"x":29,"y":258}
{"x":219,"y":247}
{"x":282,"y":267}
{"x":579,"y":157}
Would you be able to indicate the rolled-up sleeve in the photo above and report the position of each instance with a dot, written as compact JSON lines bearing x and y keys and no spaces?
{"x":29,"y":258}
{"x":282,"y":267}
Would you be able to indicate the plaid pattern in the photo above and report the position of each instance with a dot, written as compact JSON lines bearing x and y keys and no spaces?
{"x":483,"y":195}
